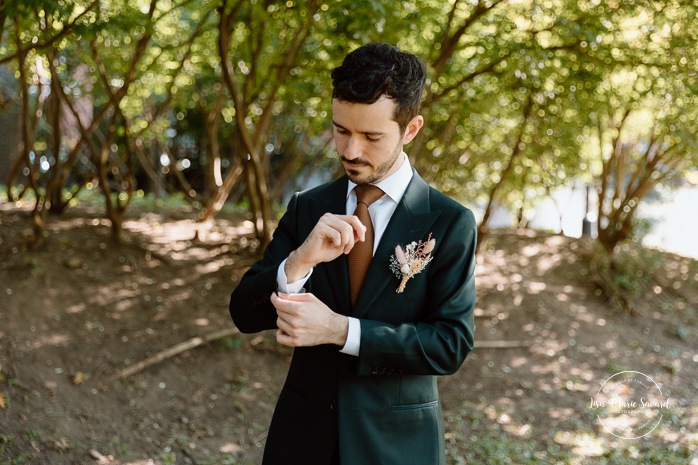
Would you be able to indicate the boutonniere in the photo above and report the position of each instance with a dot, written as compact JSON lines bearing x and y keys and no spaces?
{"x":411,"y":260}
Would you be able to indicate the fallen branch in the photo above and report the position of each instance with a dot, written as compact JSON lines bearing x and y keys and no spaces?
{"x":501,"y":344}
{"x":174,"y":350}
{"x":101,"y":459}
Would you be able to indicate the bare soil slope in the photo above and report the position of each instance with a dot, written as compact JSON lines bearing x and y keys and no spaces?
{"x":76,"y":312}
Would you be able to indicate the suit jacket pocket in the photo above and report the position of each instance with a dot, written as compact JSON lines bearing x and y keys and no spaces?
{"x":423,"y":405}
{"x":414,"y":433}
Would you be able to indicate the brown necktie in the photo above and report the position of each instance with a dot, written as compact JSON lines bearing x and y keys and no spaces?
{"x":360,"y":255}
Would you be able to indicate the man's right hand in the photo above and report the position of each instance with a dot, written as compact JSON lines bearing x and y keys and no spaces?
{"x":332,"y":236}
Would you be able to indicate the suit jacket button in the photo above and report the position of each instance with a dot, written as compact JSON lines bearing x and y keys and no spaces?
{"x":334,"y":406}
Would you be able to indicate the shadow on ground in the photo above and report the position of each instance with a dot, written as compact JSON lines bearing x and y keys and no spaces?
{"x":81,"y":309}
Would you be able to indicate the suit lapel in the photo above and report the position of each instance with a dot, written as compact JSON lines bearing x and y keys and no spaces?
{"x":410,"y":222}
{"x":333,"y":199}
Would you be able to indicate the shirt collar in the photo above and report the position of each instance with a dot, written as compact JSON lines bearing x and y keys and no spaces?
{"x":394,"y":185}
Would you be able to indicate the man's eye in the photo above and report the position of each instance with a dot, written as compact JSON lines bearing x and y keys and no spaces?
{"x":373,"y":139}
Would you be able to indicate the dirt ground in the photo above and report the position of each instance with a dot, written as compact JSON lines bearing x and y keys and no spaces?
{"x":81,"y":309}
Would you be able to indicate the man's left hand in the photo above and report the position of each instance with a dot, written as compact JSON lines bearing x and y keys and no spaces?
{"x":304,"y":320}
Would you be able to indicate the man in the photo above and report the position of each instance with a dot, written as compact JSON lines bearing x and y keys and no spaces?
{"x":372,"y":326}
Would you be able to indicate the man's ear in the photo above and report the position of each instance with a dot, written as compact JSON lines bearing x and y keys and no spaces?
{"x":412,"y":129}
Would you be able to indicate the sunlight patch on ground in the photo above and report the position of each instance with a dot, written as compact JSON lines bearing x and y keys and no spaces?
{"x":76,"y":308}
{"x":50,"y":340}
{"x":586,"y":375}
{"x":518,"y":362}
{"x":213,"y":266}
{"x":555,"y":241}
{"x":546,"y":263}
{"x":230,"y":448}
{"x":167,"y":231}
{"x":585,"y":317}
{"x":532,"y":250}
{"x":582,"y":444}
{"x":543,"y":369}
{"x":535,"y":287}
{"x":512,"y":427}
{"x":116,"y":293}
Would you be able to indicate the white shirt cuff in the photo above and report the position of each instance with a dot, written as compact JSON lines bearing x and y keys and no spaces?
{"x":353,"y":344}
{"x":284,"y":286}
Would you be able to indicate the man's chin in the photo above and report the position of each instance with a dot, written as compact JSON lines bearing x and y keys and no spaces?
{"x":357,"y":177}
{"x":362,"y":179}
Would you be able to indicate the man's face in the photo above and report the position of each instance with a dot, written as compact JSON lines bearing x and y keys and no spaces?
{"x":368,"y":139}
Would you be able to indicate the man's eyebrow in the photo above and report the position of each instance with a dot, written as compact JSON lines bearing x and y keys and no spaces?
{"x":367,"y":133}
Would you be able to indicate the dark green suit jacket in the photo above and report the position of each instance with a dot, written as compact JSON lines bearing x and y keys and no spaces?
{"x":382,"y":407}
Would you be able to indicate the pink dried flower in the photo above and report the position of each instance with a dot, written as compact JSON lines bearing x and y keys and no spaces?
{"x":429,"y":246}
{"x":400,"y":255}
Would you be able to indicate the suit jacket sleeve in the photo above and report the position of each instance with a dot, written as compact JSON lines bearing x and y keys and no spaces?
{"x":438,"y":342}
{"x":250,"y":304}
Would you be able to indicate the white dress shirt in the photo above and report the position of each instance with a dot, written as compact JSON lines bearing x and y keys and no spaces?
{"x":381,"y":211}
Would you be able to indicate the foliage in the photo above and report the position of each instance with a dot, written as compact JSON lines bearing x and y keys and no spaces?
{"x":627,"y":274}
{"x":232,"y":98}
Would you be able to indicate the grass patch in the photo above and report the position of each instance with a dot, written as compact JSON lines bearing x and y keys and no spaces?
{"x":25,"y":458}
{"x":141,"y":201}
{"x":472,"y":436}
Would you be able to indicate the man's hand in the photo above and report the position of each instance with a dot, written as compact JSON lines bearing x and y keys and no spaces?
{"x":303,"y":321}
{"x":332,"y":236}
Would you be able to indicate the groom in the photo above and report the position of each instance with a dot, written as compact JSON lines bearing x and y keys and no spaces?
{"x":372,"y":324}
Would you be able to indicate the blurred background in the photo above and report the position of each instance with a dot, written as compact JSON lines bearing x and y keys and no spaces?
{"x":549,"y":114}
{"x":147,"y":149}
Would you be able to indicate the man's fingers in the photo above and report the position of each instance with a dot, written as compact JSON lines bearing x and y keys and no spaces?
{"x":331,"y":236}
{"x":283,"y":338}
{"x":283,"y":326}
{"x":357,"y":226}
{"x":285,"y":303}
{"x":300,"y":297}
{"x":303,"y":320}
{"x":342,"y":232}
{"x":286,"y":334}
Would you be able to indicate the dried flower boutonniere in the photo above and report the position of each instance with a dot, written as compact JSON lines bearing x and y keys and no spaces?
{"x":411,"y":261}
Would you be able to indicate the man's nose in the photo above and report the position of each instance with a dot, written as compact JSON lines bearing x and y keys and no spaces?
{"x":353,"y":149}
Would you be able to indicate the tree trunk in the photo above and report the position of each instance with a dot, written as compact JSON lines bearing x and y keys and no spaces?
{"x":482,"y":229}
{"x":217,"y":200}
{"x":56,"y":181}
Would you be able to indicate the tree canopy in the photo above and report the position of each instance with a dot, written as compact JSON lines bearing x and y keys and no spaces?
{"x":232,"y":98}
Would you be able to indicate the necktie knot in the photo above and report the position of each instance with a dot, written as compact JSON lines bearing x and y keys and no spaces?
{"x":367,"y":193}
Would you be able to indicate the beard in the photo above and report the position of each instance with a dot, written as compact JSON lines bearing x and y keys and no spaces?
{"x":377,"y":173}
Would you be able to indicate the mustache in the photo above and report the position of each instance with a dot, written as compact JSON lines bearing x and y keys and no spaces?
{"x":354,"y":162}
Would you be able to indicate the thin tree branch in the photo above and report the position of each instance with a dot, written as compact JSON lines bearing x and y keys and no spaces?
{"x":449,"y":43}
{"x":60,"y":35}
{"x":174,"y":350}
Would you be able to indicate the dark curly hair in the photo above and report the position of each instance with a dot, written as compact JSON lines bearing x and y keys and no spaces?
{"x":374,"y":70}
